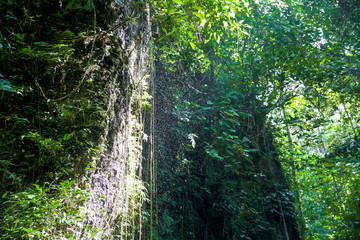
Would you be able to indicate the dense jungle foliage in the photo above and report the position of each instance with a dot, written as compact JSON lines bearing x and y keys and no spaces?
{"x":244,"y":124}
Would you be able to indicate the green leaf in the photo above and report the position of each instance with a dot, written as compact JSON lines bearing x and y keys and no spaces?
{"x":6,"y":85}
{"x":200,"y":15}
{"x":68,"y":136}
{"x":89,"y":5}
{"x":172,"y":10}
{"x":31,"y":196}
{"x":250,"y":150}
{"x":69,"y":5}
{"x":11,"y":207}
{"x":4,"y":195}
{"x":178,"y":1}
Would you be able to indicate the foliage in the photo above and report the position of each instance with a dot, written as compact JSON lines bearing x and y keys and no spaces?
{"x":42,"y":130}
{"x":236,"y":86}
{"x":51,"y":113}
{"x":323,"y":116}
{"x":42,"y":212}
{"x":218,"y":176}
{"x":327,"y":167}
{"x":301,"y":56}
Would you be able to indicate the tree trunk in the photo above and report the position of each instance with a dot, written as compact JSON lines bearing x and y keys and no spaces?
{"x":293,"y":170}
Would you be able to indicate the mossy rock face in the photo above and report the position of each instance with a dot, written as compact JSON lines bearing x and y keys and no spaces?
{"x":66,"y":95}
{"x":42,"y":58}
{"x":53,"y":81}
